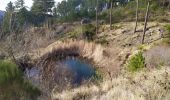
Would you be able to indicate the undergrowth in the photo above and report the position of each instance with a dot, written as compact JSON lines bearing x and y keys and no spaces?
{"x":166,"y":39}
{"x":136,"y":62}
{"x":12,"y":84}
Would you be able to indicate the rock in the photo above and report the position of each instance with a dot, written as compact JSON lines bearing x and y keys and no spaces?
{"x":2,"y":55}
{"x":85,"y":21}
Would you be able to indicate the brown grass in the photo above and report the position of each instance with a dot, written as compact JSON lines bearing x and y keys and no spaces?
{"x":157,"y":56}
{"x":144,"y":86}
{"x":97,"y":54}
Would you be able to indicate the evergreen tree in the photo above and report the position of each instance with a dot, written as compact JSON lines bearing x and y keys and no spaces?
{"x":23,"y":17}
{"x":19,"y":4}
{"x":42,"y":6}
{"x":41,"y":10}
{"x":10,"y":7}
{"x":6,"y":24}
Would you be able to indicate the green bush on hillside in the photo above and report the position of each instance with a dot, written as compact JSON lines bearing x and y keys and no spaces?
{"x":8,"y":72}
{"x":167,"y":40}
{"x":136,"y":62}
{"x":88,"y":31}
{"x":168,"y":28}
{"x":12,"y":84}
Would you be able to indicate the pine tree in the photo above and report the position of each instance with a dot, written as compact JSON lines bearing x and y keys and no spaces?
{"x":42,"y":6}
{"x":19,"y":4}
{"x":6,"y":25}
{"x":10,"y":7}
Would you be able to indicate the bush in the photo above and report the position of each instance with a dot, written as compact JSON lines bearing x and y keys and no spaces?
{"x":167,"y":39}
{"x":12,"y":84}
{"x":136,"y":62}
{"x":168,"y":28}
{"x":8,"y":72}
{"x":88,"y":31}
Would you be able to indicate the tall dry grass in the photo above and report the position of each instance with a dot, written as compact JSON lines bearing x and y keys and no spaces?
{"x":157,"y":57}
{"x":144,"y":86}
{"x":96,"y":53}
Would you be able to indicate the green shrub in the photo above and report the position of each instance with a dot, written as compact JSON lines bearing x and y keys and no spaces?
{"x":136,"y":62}
{"x":168,"y":28}
{"x":8,"y":72}
{"x":88,"y":31}
{"x":167,"y":40}
{"x":12,"y":84}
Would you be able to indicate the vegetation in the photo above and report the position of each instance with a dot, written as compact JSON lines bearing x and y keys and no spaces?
{"x":45,"y":13}
{"x":166,"y":39}
{"x":12,"y":84}
{"x":88,"y":31}
{"x":168,"y":28}
{"x":105,"y":32}
{"x":136,"y":62}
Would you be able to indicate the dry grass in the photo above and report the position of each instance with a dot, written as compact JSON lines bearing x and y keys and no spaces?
{"x":97,"y":54}
{"x":158,"y":56}
{"x":144,"y":86}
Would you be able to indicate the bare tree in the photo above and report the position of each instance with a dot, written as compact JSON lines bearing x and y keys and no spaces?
{"x":97,"y":2}
{"x":111,"y":7}
{"x":137,"y":9}
{"x":146,"y":21}
{"x":169,"y":4}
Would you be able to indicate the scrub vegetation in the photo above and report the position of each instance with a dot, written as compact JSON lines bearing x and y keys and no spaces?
{"x":13,"y":86}
{"x":126,"y":42}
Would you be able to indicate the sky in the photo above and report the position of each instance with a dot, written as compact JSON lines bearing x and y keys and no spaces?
{"x":3,"y":3}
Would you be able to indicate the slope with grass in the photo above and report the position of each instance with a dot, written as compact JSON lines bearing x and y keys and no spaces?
{"x":114,"y":53}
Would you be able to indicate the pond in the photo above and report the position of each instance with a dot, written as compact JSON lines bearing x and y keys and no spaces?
{"x":81,"y":69}
{"x":72,"y":71}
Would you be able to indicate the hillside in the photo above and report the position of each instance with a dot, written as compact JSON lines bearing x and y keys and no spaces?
{"x":112,"y":56}
{"x":85,"y":50}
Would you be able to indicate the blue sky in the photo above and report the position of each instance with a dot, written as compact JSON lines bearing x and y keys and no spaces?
{"x":28,"y":3}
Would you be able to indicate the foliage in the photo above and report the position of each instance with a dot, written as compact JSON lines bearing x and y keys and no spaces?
{"x":23,"y":16}
{"x":12,"y":84}
{"x":88,"y":31}
{"x":10,"y":7}
{"x":167,"y":40}
{"x":136,"y":62}
{"x":6,"y":23}
{"x":19,"y":4}
{"x":168,"y":28}
{"x":42,"y":6}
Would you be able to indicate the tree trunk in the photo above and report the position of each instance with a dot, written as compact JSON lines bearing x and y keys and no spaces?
{"x":146,"y":20}
{"x":97,"y":16}
{"x":10,"y":22}
{"x":111,"y":14}
{"x":169,"y":4}
{"x":137,"y":8}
